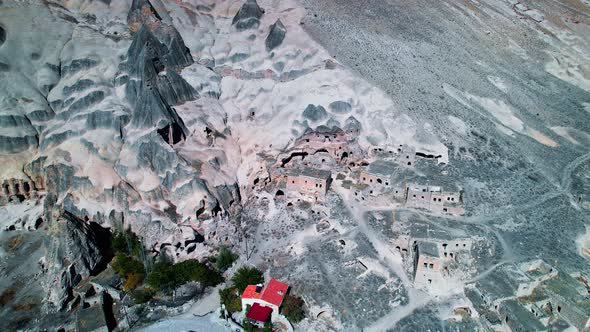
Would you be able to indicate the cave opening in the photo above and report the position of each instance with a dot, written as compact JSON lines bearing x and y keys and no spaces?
{"x":172,"y":133}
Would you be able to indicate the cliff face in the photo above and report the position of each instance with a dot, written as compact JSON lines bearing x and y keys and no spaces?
{"x":89,"y":127}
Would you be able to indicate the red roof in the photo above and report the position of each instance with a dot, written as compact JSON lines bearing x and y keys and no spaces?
{"x":259,"y":313}
{"x":251,"y":293}
{"x":274,"y":292}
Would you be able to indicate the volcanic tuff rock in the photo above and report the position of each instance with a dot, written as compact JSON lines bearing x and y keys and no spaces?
{"x":154,"y":115}
{"x":76,"y":251}
{"x":248,"y":16}
{"x":275,"y":35}
{"x":340,"y":106}
{"x":315,"y":113}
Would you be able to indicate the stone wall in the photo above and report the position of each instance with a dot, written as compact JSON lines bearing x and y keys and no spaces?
{"x":307,"y":186}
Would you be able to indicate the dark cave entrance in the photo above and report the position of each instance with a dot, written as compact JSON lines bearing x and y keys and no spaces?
{"x":172,"y":133}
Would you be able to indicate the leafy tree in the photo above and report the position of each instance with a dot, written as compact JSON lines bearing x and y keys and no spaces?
{"x":231,"y":299}
{"x":245,"y":276}
{"x":292,"y":308}
{"x":225,"y":259}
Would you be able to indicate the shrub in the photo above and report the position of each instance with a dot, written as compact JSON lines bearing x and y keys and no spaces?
{"x":126,"y":242}
{"x":292,"y":308}
{"x":125,"y":266}
{"x":225,"y":259}
{"x":132,"y":281}
{"x":231,"y":299}
{"x":140,"y":296}
{"x":247,"y":325}
{"x":166,"y":276}
{"x":245,"y":276}
{"x":162,"y":277}
{"x":130,"y":269}
{"x":193,"y":270}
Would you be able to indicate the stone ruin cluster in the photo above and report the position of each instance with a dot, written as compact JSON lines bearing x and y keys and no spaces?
{"x":21,"y":189}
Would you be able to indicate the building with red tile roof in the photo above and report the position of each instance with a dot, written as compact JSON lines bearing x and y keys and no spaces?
{"x":274,"y":292}
{"x":252,"y":292}
{"x":270,"y":296}
{"x":259,"y":313}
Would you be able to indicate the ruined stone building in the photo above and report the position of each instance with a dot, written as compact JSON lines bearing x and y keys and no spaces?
{"x":309,"y":182}
{"x":24,"y":188}
{"x":402,"y":154}
{"x":568,"y":298}
{"x":433,"y":199}
{"x":428,"y":266}
{"x":531,"y":297}
{"x":500,"y":284}
{"x":434,"y":257}
{"x":334,"y":142}
{"x":518,"y":318}
{"x":377,"y":174}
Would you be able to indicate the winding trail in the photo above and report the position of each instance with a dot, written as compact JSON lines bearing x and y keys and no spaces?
{"x":566,"y":176}
{"x":389,"y":259}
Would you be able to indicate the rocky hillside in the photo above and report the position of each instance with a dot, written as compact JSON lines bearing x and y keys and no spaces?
{"x":160,"y":116}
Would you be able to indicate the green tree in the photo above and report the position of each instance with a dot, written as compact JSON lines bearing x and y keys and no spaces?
{"x":140,"y":296}
{"x":225,"y":259}
{"x":292,"y":308}
{"x":193,"y":270}
{"x":126,"y":242}
{"x":166,"y":276}
{"x":125,"y":266}
{"x":231,"y":299}
{"x":162,"y":277}
{"x":247,"y":325}
{"x":247,"y":275}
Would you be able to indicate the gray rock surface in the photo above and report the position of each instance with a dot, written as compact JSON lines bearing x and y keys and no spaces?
{"x":275,"y":35}
{"x":2,"y":35}
{"x":79,"y":250}
{"x":340,"y":107}
{"x":315,"y":113}
{"x":352,"y":126}
{"x":248,"y":17}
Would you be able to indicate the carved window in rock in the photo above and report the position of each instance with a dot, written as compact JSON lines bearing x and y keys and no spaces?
{"x":172,"y":134}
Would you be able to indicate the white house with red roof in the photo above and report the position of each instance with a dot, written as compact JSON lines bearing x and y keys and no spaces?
{"x":260,"y":297}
